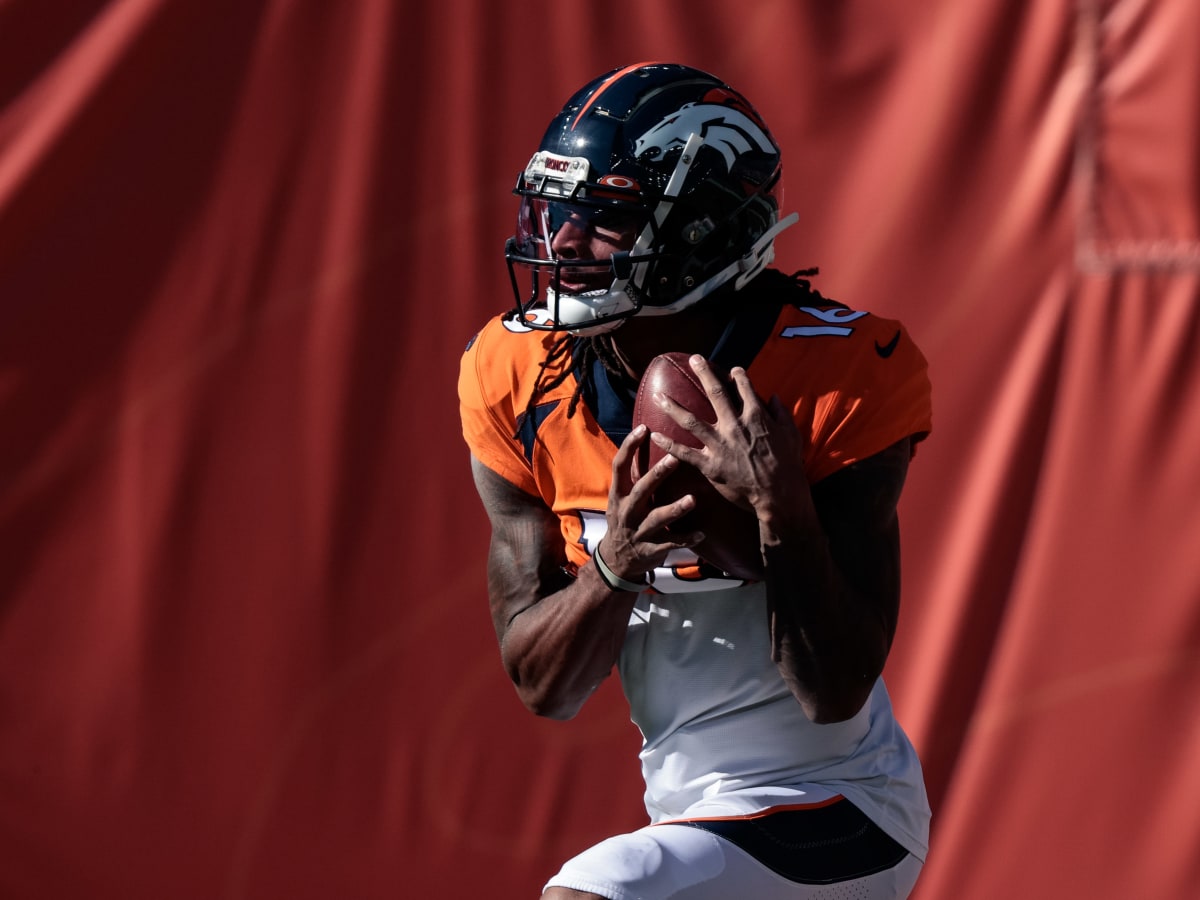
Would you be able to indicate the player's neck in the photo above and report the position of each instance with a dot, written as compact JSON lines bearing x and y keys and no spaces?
{"x":639,"y":340}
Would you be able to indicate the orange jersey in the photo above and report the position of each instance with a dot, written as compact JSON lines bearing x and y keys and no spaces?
{"x":856,"y":383}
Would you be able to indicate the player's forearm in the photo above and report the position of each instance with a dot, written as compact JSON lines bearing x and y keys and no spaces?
{"x":558,"y":650}
{"x":827,"y":638}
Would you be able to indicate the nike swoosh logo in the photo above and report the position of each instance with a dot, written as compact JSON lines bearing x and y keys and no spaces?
{"x":885,"y":350}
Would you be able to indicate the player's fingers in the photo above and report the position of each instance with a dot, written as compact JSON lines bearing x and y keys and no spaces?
{"x":622,"y":469}
{"x":685,"y":418}
{"x":654,"y":527}
{"x":644,"y":487}
{"x":715,"y":387}
{"x":677,"y":451}
{"x":750,"y":402}
{"x":640,"y":505}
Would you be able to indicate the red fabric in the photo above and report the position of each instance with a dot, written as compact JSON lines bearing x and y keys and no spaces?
{"x":244,"y":643}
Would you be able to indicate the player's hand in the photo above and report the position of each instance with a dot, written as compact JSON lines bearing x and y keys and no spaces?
{"x":751,"y":454}
{"x":637,"y":540}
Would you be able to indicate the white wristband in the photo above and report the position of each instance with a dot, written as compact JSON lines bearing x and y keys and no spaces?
{"x":612,"y":580}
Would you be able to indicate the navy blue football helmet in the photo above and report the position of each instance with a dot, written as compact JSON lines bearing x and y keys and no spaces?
{"x":671,"y":157}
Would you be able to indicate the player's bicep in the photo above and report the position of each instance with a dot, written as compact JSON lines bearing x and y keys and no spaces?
{"x":526,"y":554}
{"x":857,"y":508}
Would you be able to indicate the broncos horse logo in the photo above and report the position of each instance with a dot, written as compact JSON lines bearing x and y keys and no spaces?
{"x":724,"y":128}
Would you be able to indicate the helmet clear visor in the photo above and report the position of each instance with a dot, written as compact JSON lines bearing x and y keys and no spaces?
{"x":601,"y":229}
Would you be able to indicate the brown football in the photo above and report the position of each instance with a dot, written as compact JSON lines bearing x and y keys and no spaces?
{"x":731,"y":541}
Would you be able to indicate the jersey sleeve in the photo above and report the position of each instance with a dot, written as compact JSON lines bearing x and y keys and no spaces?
{"x":887,"y":399}
{"x":861,"y":394}
{"x":488,"y":394}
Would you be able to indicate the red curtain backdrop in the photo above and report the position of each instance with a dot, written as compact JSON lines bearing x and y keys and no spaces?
{"x":244,"y":644}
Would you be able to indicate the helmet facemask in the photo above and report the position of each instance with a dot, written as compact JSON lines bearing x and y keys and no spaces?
{"x":585,"y":295}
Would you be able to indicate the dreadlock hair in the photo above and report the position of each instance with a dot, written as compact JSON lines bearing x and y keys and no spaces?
{"x":583,"y":351}
{"x":770,"y":286}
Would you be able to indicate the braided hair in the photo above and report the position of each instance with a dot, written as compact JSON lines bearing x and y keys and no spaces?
{"x":770,"y":286}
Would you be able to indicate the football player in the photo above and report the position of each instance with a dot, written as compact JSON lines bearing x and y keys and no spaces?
{"x":774,"y":766}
